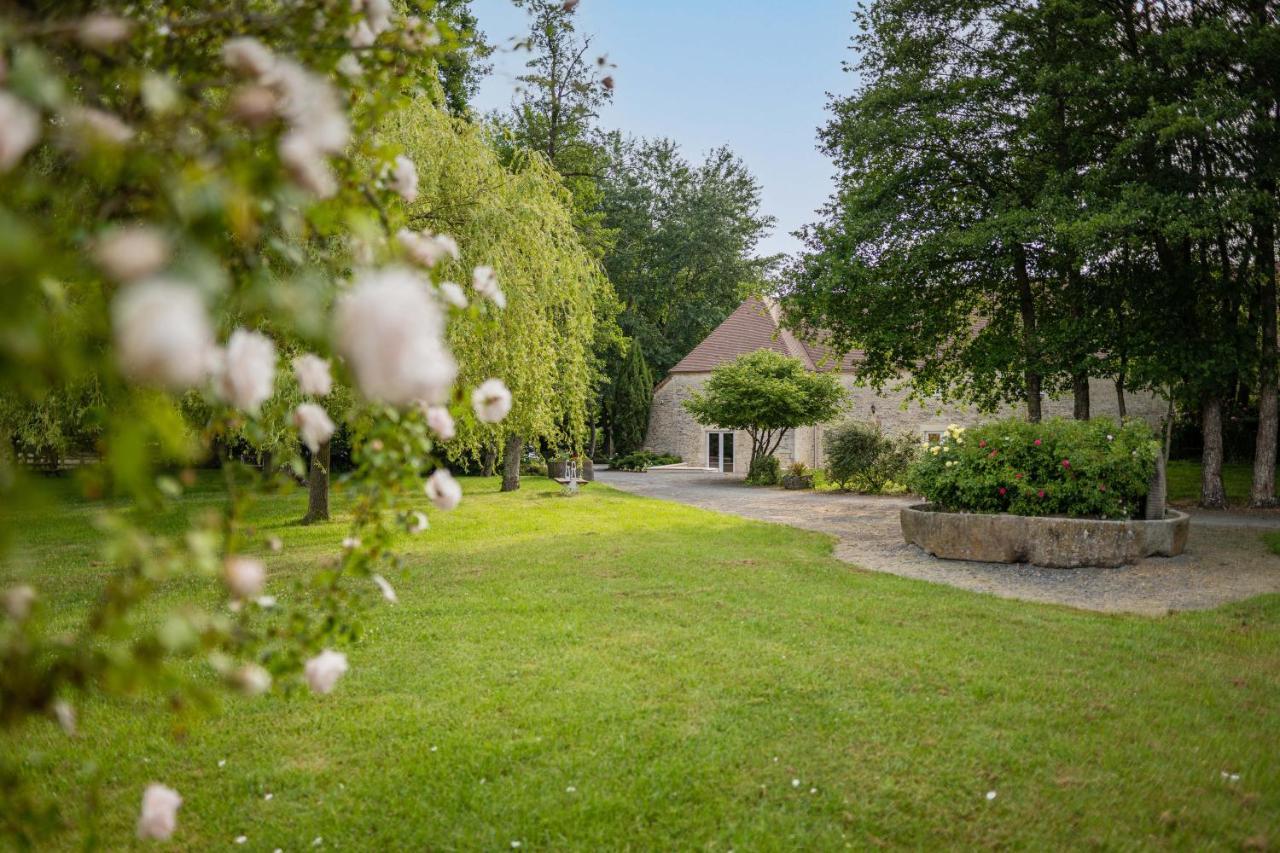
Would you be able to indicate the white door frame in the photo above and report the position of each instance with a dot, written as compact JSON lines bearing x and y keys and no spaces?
{"x":717,"y":438}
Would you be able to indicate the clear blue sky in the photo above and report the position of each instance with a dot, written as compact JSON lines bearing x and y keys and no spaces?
{"x":750,"y":74}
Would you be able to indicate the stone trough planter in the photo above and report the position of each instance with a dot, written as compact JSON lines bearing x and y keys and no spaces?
{"x":1058,"y":543}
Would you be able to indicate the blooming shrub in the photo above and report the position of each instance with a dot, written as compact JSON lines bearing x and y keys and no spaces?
{"x":1088,"y":469}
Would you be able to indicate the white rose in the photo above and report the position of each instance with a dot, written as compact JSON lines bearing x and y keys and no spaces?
{"x":252,"y":679}
{"x":248,"y":56}
{"x":19,"y":130}
{"x":313,"y":375}
{"x":245,"y":576}
{"x":388,"y":591}
{"x":313,"y":425}
{"x":247,"y":372}
{"x":420,"y":522}
{"x":130,"y":253}
{"x":323,"y":671}
{"x":440,"y":422}
{"x":159,"y":816}
{"x":18,"y":601}
{"x":451,"y":293}
{"x":443,"y":490}
{"x":307,"y":165}
{"x":404,"y":179}
{"x":162,"y":334}
{"x":97,"y":127}
{"x":485,"y":281}
{"x":391,"y":331}
{"x":491,"y":401}
{"x":427,"y":249}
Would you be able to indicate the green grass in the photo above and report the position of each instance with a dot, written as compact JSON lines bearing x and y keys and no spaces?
{"x":613,"y":672}
{"x":1184,"y":481}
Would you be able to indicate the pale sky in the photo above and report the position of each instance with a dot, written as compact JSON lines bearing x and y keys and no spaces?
{"x":750,"y":74}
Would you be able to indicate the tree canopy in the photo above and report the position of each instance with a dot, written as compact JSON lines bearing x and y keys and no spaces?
{"x":766,"y":394}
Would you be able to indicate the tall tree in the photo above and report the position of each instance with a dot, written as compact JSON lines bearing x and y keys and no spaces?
{"x":632,"y":396}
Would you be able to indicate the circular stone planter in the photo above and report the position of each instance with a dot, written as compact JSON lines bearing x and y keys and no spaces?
{"x":1057,"y":543}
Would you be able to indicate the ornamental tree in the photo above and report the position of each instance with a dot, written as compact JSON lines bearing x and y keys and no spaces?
{"x":188,"y":200}
{"x":766,"y":394}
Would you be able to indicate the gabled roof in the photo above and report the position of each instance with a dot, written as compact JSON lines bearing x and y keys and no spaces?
{"x":754,"y":325}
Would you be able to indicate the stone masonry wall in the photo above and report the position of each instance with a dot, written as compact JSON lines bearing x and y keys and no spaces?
{"x":673,"y":430}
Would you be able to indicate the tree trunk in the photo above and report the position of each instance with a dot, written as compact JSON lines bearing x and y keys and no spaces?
{"x":1212,"y":494}
{"x":511,"y":463}
{"x":1027,"y":308}
{"x":489,"y":460}
{"x":1080,"y":390}
{"x":318,"y":487}
{"x":1121,"y":407}
{"x":1263,"y":491}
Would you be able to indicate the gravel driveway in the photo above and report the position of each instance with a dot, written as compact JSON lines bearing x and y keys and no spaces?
{"x":1225,"y":559}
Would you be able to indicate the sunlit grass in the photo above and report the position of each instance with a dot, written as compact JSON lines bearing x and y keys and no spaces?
{"x":608,"y":671}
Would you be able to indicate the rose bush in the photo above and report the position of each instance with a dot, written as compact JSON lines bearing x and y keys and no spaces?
{"x":1087,"y":469}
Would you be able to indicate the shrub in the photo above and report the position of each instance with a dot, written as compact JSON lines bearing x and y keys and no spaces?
{"x":642,"y":460}
{"x":1059,"y":467}
{"x":861,"y":456}
{"x":797,"y":469}
{"x":533,"y":467}
{"x":765,"y":471}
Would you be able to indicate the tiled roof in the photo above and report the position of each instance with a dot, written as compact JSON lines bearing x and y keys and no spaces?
{"x":754,"y":326}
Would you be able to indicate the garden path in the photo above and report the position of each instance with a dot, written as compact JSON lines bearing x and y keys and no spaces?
{"x":1225,"y":559}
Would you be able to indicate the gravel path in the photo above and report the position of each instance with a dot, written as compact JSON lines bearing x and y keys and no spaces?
{"x":1225,"y":560}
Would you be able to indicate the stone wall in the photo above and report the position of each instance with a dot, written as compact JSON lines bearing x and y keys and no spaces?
{"x":673,"y":430}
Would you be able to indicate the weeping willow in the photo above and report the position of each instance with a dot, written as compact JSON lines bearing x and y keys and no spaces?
{"x":518,"y":220}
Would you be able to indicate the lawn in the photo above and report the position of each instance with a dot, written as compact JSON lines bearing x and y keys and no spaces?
{"x":614,"y":672}
{"x":1184,"y":481}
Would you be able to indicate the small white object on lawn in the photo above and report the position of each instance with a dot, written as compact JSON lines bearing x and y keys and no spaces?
{"x":991,"y":795}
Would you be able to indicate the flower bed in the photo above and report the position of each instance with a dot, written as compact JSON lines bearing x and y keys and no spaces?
{"x":1077,"y":469}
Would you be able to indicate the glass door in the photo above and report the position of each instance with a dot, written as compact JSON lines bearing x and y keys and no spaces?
{"x":720,"y":451}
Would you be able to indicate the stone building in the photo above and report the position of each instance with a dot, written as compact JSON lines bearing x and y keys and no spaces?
{"x":755,"y":325}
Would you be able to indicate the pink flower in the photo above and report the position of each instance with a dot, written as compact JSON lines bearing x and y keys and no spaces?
{"x":491,"y":401}
{"x":443,"y":490}
{"x":245,"y":576}
{"x":1066,"y":463}
{"x":440,"y":422}
{"x":159,"y":816}
{"x":1017,"y":476}
{"x":1102,"y":487}
{"x":313,"y":375}
{"x":246,"y":373}
{"x":323,"y":671}
{"x":162,"y":334}
{"x":485,"y":281}
{"x":404,"y":179}
{"x":19,"y":130}
{"x":1036,"y":442}
{"x":1040,"y":493}
{"x":982,"y":442}
{"x":1002,"y":490}
{"x":314,"y":425}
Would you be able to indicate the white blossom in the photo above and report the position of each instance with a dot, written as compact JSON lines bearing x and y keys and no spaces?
{"x":65,"y":714}
{"x":100,"y":31}
{"x":19,"y":130}
{"x":97,"y":126}
{"x":451,"y":293}
{"x":361,"y":35}
{"x":159,"y":816}
{"x":387,"y":590}
{"x":266,"y":602}
{"x":312,"y":373}
{"x":390,"y":329}
{"x":18,"y":601}
{"x":419,"y":33}
{"x":323,"y":671}
{"x":252,"y":679}
{"x":254,"y":105}
{"x":420,"y":522}
{"x":443,"y":490}
{"x":491,"y":401}
{"x":314,"y":425}
{"x":248,"y":56}
{"x":310,"y":106}
{"x":404,"y":179}
{"x":377,"y":20}
{"x":440,"y":422}
{"x":307,"y":165}
{"x":351,"y":543}
{"x":162,"y":334}
{"x":349,"y":66}
{"x":245,"y":576}
{"x":132,"y":253}
{"x":247,"y":373}
{"x":427,"y":249}
{"x":485,"y":281}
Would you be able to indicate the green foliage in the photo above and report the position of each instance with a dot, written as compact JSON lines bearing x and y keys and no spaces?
{"x":764,"y":471}
{"x":765,"y":393}
{"x":632,"y":397}
{"x":1087,"y":469}
{"x":684,"y":242}
{"x":642,"y":460}
{"x":860,"y":456}
{"x":798,"y":469}
{"x":518,"y":220}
